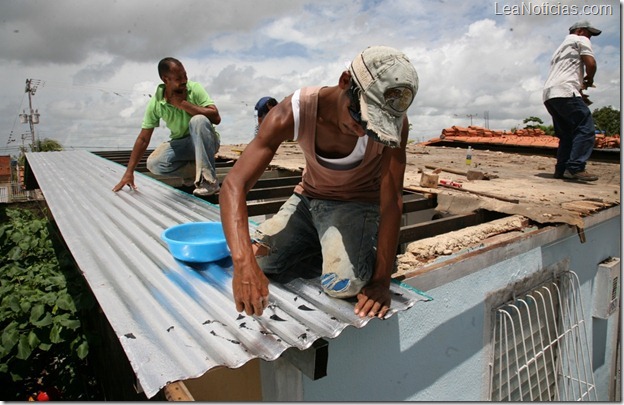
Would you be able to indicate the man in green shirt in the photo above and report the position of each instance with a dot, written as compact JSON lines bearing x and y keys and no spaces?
{"x":189,"y":113}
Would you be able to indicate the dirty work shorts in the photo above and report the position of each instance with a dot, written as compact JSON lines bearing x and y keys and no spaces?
{"x":308,"y":235}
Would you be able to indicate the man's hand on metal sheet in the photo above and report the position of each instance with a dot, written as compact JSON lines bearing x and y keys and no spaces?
{"x":373,"y":300}
{"x":251,"y":290}
{"x":126,"y":180}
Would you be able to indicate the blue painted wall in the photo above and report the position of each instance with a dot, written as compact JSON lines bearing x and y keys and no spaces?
{"x":436,"y":351}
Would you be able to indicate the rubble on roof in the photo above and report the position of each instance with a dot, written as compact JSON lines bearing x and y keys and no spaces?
{"x":422,"y":252}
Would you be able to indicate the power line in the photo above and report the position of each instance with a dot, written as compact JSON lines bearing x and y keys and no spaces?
{"x":116,"y":91}
{"x":10,"y":138}
{"x":469,"y":116}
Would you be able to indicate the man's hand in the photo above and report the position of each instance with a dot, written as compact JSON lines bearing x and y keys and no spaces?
{"x":177,"y":97}
{"x":587,"y":83}
{"x":126,"y":180}
{"x":586,"y":99}
{"x":251,"y":290}
{"x":373,"y":300}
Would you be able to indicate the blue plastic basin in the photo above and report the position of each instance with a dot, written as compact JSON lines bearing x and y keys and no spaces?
{"x":197,"y":242}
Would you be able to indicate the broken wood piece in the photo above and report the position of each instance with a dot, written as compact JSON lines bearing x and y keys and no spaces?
{"x":428,"y":249}
{"x":470,"y":174}
{"x":437,"y":169}
{"x":177,"y":391}
{"x":585,"y":207}
{"x":424,"y":190}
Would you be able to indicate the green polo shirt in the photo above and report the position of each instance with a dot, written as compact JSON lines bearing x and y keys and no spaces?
{"x":176,"y":120}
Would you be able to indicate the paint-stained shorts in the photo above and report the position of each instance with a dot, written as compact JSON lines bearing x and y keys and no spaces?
{"x":310,"y":236}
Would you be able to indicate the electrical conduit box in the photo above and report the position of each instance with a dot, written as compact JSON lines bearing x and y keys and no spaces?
{"x":607,"y":288}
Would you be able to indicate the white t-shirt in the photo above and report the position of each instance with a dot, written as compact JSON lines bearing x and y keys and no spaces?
{"x":566,"y":68}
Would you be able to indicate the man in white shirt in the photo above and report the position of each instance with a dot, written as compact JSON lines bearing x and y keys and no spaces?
{"x":572,"y":70}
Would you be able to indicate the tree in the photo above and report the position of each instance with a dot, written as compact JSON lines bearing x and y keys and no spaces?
{"x":45,"y":145}
{"x":607,"y":119}
{"x":537,"y":123}
{"x":530,"y":120}
{"x":48,"y":145}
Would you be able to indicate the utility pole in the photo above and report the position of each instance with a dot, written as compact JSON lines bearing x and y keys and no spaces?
{"x":471,"y":115}
{"x":33,"y":117}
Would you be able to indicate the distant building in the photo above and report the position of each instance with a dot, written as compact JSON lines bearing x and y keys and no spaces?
{"x":5,"y":168}
{"x":12,"y":182}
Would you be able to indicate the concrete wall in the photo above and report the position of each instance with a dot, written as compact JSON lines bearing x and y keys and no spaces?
{"x":438,"y":350}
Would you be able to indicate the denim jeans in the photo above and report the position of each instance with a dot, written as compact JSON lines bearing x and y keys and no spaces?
{"x":574,"y":126}
{"x":178,"y":156}
{"x":308,"y":237}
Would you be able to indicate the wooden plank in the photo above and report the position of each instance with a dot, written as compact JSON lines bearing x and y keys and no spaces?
{"x":413,"y":202}
{"x":410,"y":233}
{"x":481,"y":193}
{"x":177,"y":391}
{"x":445,"y":169}
{"x":277,"y":182}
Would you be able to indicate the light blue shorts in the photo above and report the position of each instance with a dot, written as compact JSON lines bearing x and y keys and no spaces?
{"x":311,"y":237}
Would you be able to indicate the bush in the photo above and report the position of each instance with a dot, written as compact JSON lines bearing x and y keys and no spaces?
{"x":43,"y":343}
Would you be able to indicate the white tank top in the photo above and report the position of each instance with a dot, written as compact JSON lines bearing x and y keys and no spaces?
{"x":344,"y":163}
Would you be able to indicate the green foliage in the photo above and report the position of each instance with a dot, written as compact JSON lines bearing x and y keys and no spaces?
{"x":48,"y":145}
{"x":548,"y":129}
{"x":537,"y":123}
{"x":607,"y":119}
{"x":530,"y":120}
{"x":45,"y":145}
{"x":42,"y":342}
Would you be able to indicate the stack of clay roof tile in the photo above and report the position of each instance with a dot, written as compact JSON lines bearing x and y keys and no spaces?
{"x":607,"y":142}
{"x":521,"y":137}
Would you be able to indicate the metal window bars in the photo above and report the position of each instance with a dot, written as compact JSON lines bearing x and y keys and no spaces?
{"x":541,"y":350}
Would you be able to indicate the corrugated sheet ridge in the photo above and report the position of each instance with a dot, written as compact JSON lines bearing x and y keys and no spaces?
{"x":175,"y":321}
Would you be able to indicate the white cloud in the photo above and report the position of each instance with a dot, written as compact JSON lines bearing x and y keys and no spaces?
{"x":98,"y":60}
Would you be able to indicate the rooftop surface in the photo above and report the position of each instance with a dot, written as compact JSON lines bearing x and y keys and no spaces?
{"x":518,"y":185}
{"x":143,"y":290}
{"x":513,"y":183}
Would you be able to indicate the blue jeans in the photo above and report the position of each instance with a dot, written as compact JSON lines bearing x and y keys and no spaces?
{"x":574,"y":126}
{"x":335,"y":239}
{"x":189,"y":157}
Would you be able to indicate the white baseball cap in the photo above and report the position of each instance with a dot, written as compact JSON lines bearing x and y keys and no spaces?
{"x":388,"y":83}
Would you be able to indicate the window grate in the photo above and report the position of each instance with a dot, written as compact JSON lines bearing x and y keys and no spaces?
{"x":541,"y":350}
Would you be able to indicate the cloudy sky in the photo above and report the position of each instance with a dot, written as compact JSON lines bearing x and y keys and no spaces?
{"x":95,"y":62}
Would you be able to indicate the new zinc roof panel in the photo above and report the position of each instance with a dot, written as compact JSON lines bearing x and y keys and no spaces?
{"x":175,"y":320}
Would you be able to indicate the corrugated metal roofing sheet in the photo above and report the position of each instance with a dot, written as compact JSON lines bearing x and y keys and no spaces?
{"x":175,"y":321}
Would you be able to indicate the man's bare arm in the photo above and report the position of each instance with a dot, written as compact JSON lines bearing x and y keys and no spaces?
{"x":249,"y":284}
{"x":139,"y":148}
{"x":374,"y":300}
{"x":590,"y":70}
